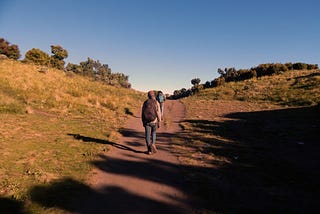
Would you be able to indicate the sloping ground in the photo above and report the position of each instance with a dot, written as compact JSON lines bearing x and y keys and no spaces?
{"x":251,"y":158}
{"x":40,"y":115}
{"x":292,"y":88}
{"x":24,"y":88}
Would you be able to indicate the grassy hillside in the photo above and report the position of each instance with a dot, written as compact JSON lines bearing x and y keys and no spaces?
{"x":43,"y":116}
{"x":292,"y":88}
{"x":253,"y":145}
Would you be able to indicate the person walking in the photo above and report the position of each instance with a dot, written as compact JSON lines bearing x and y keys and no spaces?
{"x":151,"y":118}
{"x":161,"y":98}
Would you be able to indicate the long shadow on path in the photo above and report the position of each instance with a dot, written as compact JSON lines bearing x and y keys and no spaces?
{"x":153,"y":170}
{"x":100,"y":141}
{"x":76,"y":197}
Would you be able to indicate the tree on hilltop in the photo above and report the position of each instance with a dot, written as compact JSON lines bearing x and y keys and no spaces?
{"x":195,"y":81}
{"x":11,"y":51}
{"x":196,"y":84}
{"x":59,"y":54}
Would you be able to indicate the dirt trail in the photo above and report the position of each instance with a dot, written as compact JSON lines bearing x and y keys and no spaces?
{"x":131,"y":181}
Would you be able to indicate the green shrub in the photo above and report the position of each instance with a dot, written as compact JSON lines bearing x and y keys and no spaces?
{"x":59,"y":54}
{"x":37,"y":57}
{"x":11,"y":51}
{"x":300,"y":66}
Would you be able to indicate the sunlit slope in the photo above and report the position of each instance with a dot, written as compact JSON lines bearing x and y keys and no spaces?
{"x":292,"y":88}
{"x":53,"y":125}
{"x":24,"y":88}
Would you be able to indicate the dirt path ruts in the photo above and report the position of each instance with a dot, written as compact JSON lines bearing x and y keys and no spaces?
{"x":132,"y":181}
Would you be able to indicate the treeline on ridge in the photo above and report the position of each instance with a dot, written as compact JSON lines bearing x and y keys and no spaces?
{"x":89,"y":68}
{"x":233,"y":75}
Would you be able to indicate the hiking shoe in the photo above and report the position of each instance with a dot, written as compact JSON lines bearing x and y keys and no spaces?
{"x":149,"y":152}
{"x":154,"y":148}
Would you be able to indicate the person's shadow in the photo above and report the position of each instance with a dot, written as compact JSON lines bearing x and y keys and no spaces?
{"x":100,"y":141}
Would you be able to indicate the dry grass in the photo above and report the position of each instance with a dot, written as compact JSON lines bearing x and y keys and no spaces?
{"x":42,"y":114}
{"x":292,"y":88}
{"x":57,"y":92}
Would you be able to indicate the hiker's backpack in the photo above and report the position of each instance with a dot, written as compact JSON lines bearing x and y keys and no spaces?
{"x":160,"y":98}
{"x":149,"y":113}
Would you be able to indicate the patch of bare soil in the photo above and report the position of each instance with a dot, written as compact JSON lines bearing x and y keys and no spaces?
{"x":252,"y":158}
{"x":127,"y":180}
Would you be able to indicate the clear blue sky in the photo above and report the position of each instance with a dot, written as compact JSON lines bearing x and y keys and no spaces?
{"x":163,"y":44}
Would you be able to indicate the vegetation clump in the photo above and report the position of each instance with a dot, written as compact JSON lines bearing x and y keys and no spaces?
{"x":8,"y":50}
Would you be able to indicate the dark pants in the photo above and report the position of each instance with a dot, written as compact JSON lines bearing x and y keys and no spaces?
{"x":150,"y":134}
